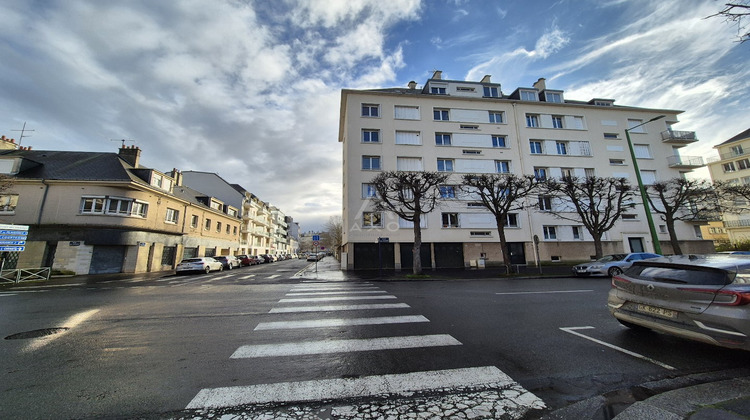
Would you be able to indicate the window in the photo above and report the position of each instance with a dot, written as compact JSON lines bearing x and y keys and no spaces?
{"x":371,"y":163}
{"x":635,"y":123}
{"x":218,"y":227}
{"x":549,"y":232}
{"x":529,"y":95}
{"x":567,"y":172}
{"x":662,"y":228}
{"x":8,"y":203}
{"x":502,"y":166}
{"x":557,"y":121}
{"x":540,"y":173}
{"x":228,"y":230}
{"x":536,"y":147}
{"x":207,"y":225}
{"x":496,"y":117}
{"x":126,"y":207}
{"x":172,"y":215}
{"x":370,"y":136}
{"x":440,"y":114}
{"x":642,"y":151}
{"x":603,"y":103}
{"x":578,"y":123}
{"x":471,"y":152}
{"x":370,"y":110}
{"x":743,"y":164}
{"x":553,"y":97}
{"x":465,"y":89}
{"x":372,"y":219}
{"x":93,"y":205}
{"x":442,"y":139}
{"x":156,"y":180}
{"x":498,"y":141}
{"x":445,"y":165}
{"x":626,"y":216}
{"x":450,"y":220}
{"x":728,"y":167}
{"x":736,"y":150}
{"x":369,"y":191}
{"x":234,"y":230}
{"x":480,"y":233}
{"x":589,"y":172}
{"x":194,"y":221}
{"x":577,"y":232}
{"x":408,"y":137}
{"x":438,"y":90}
{"x":469,"y":127}
{"x":617,"y":162}
{"x":562,"y":147}
{"x":447,"y":191}
{"x":532,"y":120}
{"x":511,"y":220}
{"x":411,"y":164}
{"x":545,"y":203}
{"x":648,"y":177}
{"x":406,"y":112}
{"x":611,"y":136}
{"x":491,"y":91}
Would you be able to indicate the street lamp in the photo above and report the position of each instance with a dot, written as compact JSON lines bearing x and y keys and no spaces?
{"x":644,"y":197}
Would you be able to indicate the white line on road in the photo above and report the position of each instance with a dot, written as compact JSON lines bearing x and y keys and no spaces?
{"x":329,"y":389}
{"x":335,"y":298}
{"x":544,"y":292}
{"x":332,"y":288}
{"x":343,"y":346}
{"x":8,"y":294}
{"x":273,"y":276}
{"x":340,"y":322}
{"x":571,"y":330}
{"x":249,"y":276}
{"x":354,"y":292}
{"x":328,"y":308}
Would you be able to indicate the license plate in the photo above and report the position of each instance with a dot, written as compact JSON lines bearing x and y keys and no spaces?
{"x":666,"y":313}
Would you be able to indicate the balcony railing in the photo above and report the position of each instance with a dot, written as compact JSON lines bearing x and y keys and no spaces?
{"x":678,"y":137}
{"x":737,"y":223}
{"x":685,"y":162}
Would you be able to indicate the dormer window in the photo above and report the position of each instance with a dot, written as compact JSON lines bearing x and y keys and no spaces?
{"x":439,"y":89}
{"x":528,"y":95}
{"x":491,"y":92}
{"x":555,"y":97}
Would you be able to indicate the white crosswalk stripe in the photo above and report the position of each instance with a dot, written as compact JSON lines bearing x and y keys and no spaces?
{"x":335,"y":298}
{"x":327,"y":308}
{"x":340,"y":322}
{"x":355,"y":292}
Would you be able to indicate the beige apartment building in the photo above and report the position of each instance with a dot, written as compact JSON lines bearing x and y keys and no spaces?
{"x":92,"y":212}
{"x":473,"y":127}
{"x":733,"y":165}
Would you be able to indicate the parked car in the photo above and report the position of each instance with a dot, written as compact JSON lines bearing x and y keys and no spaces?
{"x":315,"y":256}
{"x":203,"y":264}
{"x":246,"y":260}
{"x":229,"y":261}
{"x":267,"y":258}
{"x":259,"y":259}
{"x":611,"y":265}
{"x":703,"y":298}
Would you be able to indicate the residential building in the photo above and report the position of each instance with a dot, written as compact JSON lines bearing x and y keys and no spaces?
{"x":465,"y":127}
{"x":92,"y":212}
{"x":733,"y":166}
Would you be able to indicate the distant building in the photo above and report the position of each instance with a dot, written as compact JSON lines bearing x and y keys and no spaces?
{"x":733,"y":165}
{"x":469,"y":127}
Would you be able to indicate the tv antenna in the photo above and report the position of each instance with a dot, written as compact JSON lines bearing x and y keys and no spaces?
{"x":22,"y":130}
{"x":123,"y":141}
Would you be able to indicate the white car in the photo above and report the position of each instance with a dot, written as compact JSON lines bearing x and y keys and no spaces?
{"x":203,"y":264}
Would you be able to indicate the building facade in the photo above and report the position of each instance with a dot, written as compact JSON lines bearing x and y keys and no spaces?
{"x":465,"y":127}
{"x":733,"y":166}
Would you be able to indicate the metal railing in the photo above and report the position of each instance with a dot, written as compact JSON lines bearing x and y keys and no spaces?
{"x":681,"y":136}
{"x":686,"y":161}
{"x":18,"y":275}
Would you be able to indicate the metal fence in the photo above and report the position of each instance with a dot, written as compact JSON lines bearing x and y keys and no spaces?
{"x":24,"y":274}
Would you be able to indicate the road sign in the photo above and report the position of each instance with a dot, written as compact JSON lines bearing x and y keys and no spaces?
{"x":14,"y":232}
{"x":384,"y":240}
{"x":12,"y":248}
{"x":4,"y":226}
{"x":12,"y":242}
{"x":316,"y":237}
{"x":12,"y":237}
{"x":316,"y":243}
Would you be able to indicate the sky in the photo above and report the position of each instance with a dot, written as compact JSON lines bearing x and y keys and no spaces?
{"x":251,"y":90}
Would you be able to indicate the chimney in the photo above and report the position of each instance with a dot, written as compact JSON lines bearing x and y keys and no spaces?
{"x":437,"y":75}
{"x":412,"y":85}
{"x":486,"y":79}
{"x":177,"y":176}
{"x":540,"y":84}
{"x":131,"y":154}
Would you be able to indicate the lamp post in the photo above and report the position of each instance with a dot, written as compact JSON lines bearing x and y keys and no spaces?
{"x":644,"y":197}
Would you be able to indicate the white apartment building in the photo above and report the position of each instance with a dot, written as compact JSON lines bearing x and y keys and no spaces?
{"x":472,"y":127}
{"x":733,"y":165}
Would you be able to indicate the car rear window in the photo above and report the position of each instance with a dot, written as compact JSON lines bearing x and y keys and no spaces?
{"x":679,"y":275}
{"x":191,"y":260}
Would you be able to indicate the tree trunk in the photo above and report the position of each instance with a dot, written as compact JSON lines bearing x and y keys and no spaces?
{"x":598,"y":246}
{"x":416,"y":254}
{"x":673,"y":237}
{"x":503,"y":244}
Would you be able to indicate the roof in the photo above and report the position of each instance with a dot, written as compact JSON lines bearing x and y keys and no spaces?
{"x":65,"y":165}
{"x":743,"y":135}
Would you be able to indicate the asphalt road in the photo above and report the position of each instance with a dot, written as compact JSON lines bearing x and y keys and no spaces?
{"x":136,"y":347}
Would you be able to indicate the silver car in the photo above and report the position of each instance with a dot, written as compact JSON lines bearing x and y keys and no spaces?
{"x":703,"y":298}
{"x":203,"y":264}
{"x":611,"y":265}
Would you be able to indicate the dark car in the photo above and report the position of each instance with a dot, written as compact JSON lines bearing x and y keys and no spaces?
{"x":702,"y":298}
{"x":246,"y":260}
{"x":611,"y":265}
{"x":228,"y":261}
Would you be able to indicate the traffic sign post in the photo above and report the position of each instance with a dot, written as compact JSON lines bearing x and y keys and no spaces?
{"x":12,"y":239}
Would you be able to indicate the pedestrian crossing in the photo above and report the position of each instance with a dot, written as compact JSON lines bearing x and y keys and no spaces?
{"x":310,"y":298}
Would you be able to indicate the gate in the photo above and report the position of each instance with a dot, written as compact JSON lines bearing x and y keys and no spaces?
{"x":107,"y":259}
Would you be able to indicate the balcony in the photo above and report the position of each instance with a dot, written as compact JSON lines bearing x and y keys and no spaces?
{"x":678,"y":137}
{"x":737,"y":223}
{"x":685,"y":162}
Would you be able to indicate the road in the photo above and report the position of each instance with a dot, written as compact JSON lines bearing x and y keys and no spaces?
{"x":158,"y":345}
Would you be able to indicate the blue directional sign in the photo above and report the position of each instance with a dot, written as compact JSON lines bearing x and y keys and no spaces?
{"x":12,"y":248}
{"x":14,"y":232}
{"x":316,"y":237}
{"x":12,"y":242}
{"x":12,"y":237}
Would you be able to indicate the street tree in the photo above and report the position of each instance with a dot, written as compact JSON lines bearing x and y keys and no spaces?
{"x":596,"y":202}
{"x":335,"y":231}
{"x":501,"y":194}
{"x":409,"y":195}
{"x":736,"y":13}
{"x":682,"y":199}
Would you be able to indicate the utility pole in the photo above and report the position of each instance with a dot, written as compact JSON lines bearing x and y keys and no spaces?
{"x":22,"y":130}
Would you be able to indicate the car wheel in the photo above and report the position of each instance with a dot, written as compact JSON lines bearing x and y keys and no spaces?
{"x":207,"y":269}
{"x":221,"y":268}
{"x":614,"y":271}
{"x":632,"y":326}
{"x":229,"y":266}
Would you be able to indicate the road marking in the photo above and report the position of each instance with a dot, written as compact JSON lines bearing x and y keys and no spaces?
{"x":328,"y":308}
{"x":352,"y":292}
{"x":69,"y":323}
{"x":330,"y":389}
{"x":342,"y":346}
{"x":8,"y":294}
{"x":51,"y":285}
{"x":249,"y":276}
{"x":340,"y":322}
{"x":273,"y":276}
{"x":545,"y":292}
{"x":335,"y":298}
{"x":331,"y":289}
{"x":571,"y":330}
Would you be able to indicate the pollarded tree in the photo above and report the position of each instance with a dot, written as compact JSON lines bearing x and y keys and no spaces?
{"x":335,"y":231}
{"x":410,"y":195}
{"x":501,"y":194}
{"x":596,"y":202}
{"x":682,"y":199}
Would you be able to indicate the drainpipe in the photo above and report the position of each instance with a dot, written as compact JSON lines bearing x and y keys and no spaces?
{"x":534,"y":238}
{"x":44,"y":200}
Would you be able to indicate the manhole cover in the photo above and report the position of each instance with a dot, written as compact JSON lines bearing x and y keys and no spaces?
{"x":36,"y":333}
